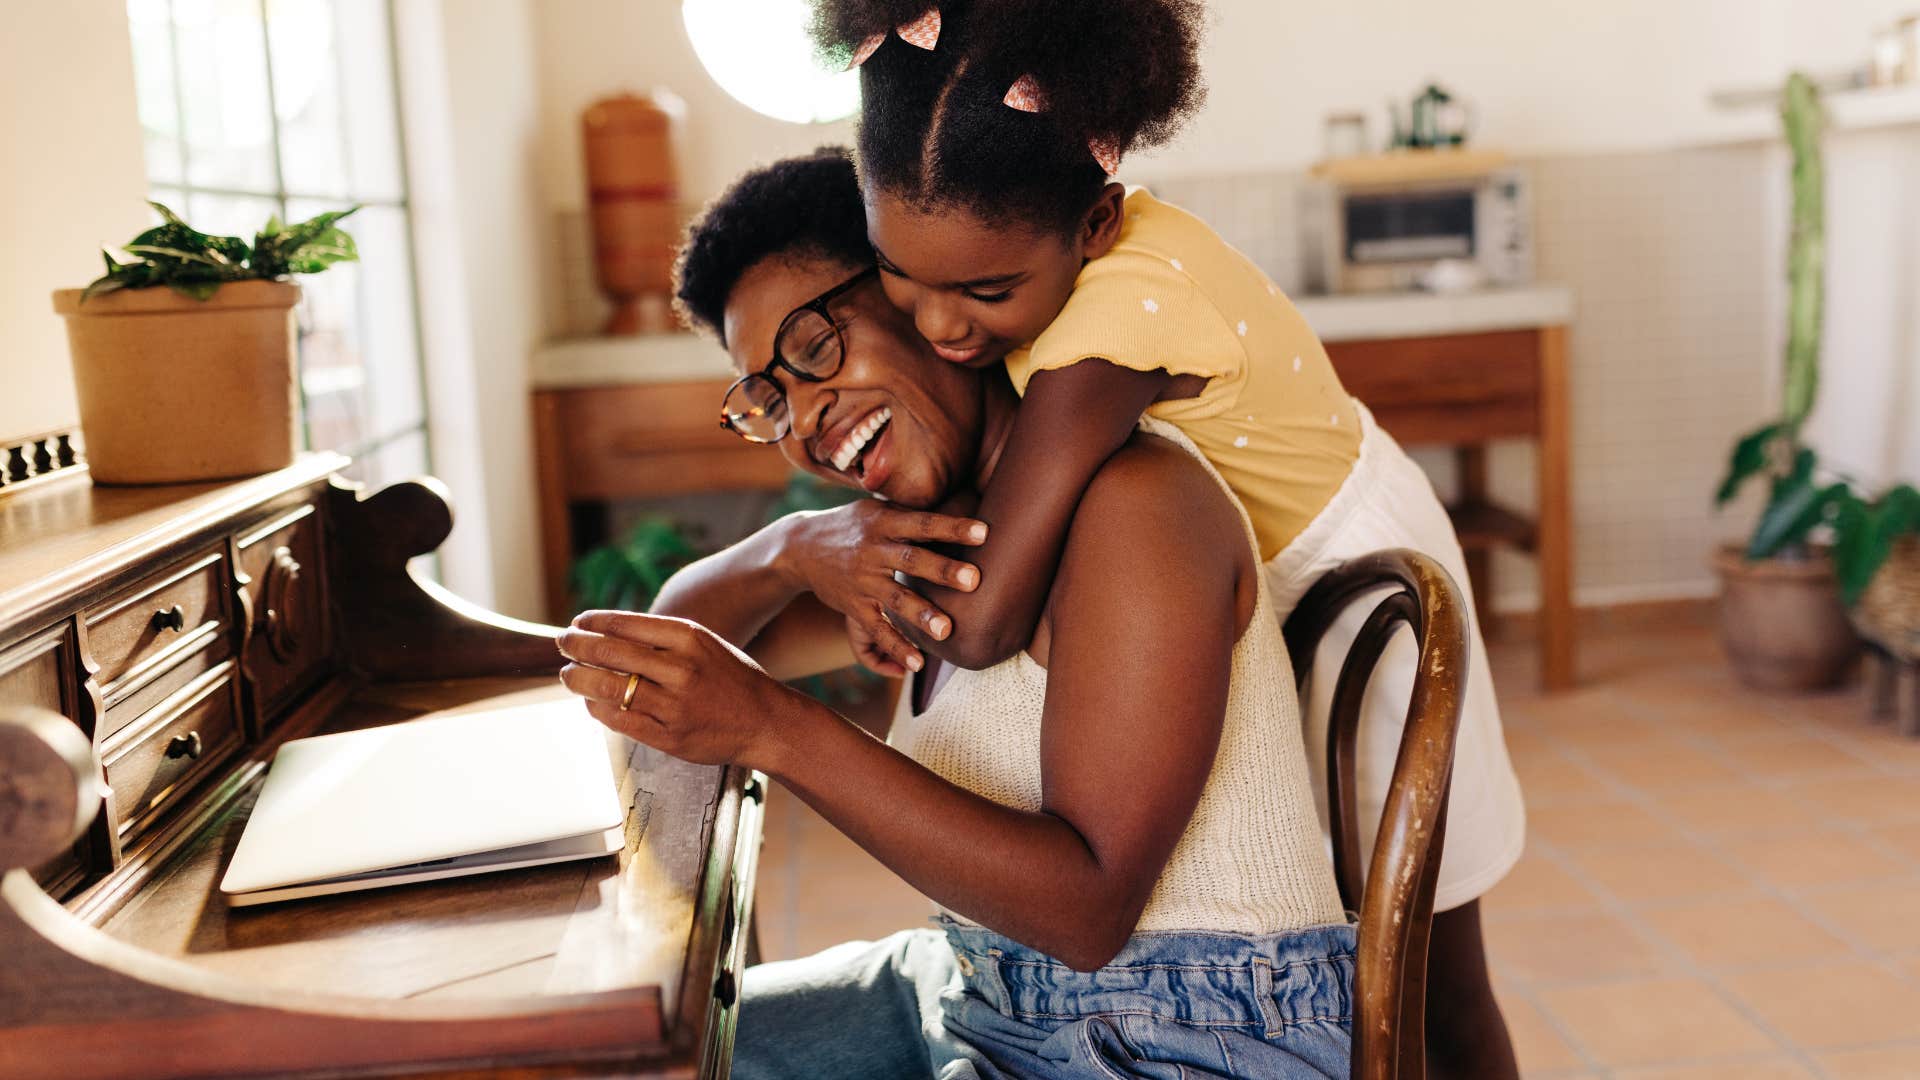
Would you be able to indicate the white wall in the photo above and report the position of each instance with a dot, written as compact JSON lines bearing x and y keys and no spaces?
{"x":471,"y":109}
{"x":74,"y":181}
{"x":1545,"y":77}
{"x":1548,"y":76}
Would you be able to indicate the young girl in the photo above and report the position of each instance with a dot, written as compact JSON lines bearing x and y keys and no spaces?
{"x":988,"y":135}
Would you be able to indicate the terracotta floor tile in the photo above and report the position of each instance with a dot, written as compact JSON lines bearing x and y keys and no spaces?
{"x":1789,"y":756}
{"x":1672,"y":870}
{"x":1882,"y":1063}
{"x":1842,"y":1004}
{"x":1812,"y":858}
{"x":1902,"y":838}
{"x":1743,"y":933}
{"x":1883,"y":917}
{"x":1551,"y":778}
{"x":1767,"y":1069}
{"x":1537,"y":886}
{"x":1597,"y":824}
{"x":1536,"y":1044}
{"x":1654,"y":1022}
{"x":1867,"y":796}
{"x":1743,"y":808}
{"x":1560,"y":947}
{"x":1666,"y":764}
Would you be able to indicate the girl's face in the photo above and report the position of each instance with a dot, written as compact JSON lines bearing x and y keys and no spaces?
{"x":978,"y":290}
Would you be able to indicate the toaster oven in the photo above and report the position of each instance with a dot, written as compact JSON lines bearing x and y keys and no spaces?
{"x":1364,"y":238}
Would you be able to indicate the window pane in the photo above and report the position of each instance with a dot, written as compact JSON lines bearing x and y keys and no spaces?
{"x":402,"y":459}
{"x":333,"y":381}
{"x":306,"y":95}
{"x":223,"y":80}
{"x":364,"y":323}
{"x":392,"y":349}
{"x":152,"y":32}
{"x":368,"y":102}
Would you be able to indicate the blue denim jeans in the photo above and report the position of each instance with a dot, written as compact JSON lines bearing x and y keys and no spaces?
{"x":964,"y":1003}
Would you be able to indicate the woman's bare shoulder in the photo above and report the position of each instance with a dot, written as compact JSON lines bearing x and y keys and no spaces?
{"x":1154,"y":504}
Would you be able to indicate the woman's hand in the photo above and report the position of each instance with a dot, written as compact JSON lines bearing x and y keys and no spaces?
{"x":848,"y":557}
{"x":697,"y":697}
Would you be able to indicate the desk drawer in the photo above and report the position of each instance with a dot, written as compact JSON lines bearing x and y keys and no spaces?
{"x":149,"y":763}
{"x":146,"y":629}
{"x":1463,"y":388}
{"x":281,"y":559}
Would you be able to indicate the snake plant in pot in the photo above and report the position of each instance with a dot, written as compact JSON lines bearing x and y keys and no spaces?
{"x":1784,"y":593}
{"x":194,"y":381}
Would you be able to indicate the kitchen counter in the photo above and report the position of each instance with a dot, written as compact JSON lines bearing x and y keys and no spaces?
{"x":1400,"y":315}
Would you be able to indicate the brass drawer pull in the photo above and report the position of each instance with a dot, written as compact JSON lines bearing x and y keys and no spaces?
{"x":173,"y":618}
{"x":187,"y":746}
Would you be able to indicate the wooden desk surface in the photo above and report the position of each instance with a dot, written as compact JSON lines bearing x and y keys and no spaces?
{"x":606,"y":924}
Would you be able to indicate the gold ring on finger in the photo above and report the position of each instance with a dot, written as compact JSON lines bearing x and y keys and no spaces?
{"x":626,"y":699}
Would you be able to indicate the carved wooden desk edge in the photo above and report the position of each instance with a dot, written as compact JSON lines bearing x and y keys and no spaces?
{"x":75,"y":1001}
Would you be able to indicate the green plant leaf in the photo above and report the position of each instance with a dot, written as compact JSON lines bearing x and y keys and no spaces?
{"x":1864,"y":537}
{"x":166,"y":215}
{"x":1797,"y":506}
{"x":1749,"y":458}
{"x":629,"y":573}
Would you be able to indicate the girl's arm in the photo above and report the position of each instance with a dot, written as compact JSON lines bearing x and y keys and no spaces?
{"x":770,"y":593}
{"x":1136,"y":693}
{"x":1070,"y":421}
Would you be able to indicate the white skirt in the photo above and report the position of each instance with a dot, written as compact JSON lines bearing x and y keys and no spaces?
{"x":1388,"y":502}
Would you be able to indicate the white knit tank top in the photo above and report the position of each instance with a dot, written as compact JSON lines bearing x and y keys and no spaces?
{"x":1252,"y":860}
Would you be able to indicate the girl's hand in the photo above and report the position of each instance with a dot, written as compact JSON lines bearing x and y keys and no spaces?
{"x":697,"y":698}
{"x":869,"y":655}
{"x":848,"y":557}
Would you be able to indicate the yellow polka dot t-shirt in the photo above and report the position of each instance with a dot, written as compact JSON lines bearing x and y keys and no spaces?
{"x":1171,"y":295}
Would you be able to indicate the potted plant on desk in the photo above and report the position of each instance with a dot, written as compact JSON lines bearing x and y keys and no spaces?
{"x":194,"y":381}
{"x":1784,"y":596}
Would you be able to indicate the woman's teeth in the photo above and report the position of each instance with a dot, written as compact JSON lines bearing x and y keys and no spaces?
{"x":859,"y":438}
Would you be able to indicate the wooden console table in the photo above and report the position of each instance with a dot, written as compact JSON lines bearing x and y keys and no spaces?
{"x":1465,"y":371}
{"x":156,"y":645}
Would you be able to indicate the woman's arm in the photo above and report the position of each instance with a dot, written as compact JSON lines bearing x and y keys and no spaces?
{"x":1069,"y":423}
{"x":1136,"y":695}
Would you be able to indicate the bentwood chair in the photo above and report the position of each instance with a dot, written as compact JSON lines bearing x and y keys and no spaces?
{"x":1396,"y":900}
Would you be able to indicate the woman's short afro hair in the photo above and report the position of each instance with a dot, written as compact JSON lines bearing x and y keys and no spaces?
{"x":934,"y":128}
{"x":807,"y":205}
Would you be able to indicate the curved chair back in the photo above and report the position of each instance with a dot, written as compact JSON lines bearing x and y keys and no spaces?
{"x":1396,"y":903}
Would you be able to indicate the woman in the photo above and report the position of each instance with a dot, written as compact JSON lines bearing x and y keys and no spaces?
{"x":1117,"y":822}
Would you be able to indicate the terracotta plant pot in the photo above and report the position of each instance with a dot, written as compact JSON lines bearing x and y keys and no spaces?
{"x":1782,"y":623}
{"x":174,"y":389}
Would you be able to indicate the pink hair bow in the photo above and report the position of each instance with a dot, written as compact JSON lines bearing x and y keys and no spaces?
{"x":923,"y":32}
{"x":1025,"y":94}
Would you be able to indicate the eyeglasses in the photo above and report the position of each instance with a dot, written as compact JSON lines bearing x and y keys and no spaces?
{"x":810,"y":347}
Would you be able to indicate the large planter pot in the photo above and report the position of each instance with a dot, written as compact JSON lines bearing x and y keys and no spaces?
{"x":173,"y":389}
{"x":1782,"y":623}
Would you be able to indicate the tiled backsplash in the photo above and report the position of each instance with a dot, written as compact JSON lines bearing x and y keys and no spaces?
{"x":1665,"y":254}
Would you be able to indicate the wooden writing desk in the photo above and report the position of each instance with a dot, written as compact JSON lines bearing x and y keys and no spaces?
{"x":166,"y":640}
{"x":638,"y":418}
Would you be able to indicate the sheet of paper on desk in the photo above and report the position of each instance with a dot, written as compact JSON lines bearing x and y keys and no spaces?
{"x":461,"y":794}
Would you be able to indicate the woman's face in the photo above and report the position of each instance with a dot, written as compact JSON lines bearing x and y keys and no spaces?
{"x":930,"y":412}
